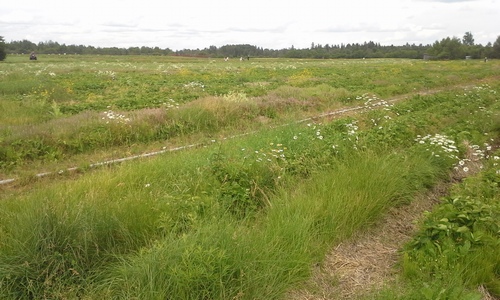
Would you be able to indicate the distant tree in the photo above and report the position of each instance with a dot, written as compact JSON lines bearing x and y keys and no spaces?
{"x":495,"y":51}
{"x":3,"y":54}
{"x":23,"y":46}
{"x":51,"y":47}
{"x":134,"y":50}
{"x":468,"y":39}
{"x":212,"y":50}
{"x":448,"y":48}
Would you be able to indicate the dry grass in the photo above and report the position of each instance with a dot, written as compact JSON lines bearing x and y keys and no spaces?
{"x":151,"y":115}
{"x":485,"y":294}
{"x":367,"y":261}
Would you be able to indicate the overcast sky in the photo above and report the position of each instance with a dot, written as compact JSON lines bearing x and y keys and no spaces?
{"x":274,"y":24}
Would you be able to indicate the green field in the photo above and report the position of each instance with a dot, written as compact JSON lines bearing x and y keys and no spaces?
{"x":273,"y":178}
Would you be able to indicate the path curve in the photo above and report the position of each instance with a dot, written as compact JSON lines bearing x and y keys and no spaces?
{"x":363,"y":264}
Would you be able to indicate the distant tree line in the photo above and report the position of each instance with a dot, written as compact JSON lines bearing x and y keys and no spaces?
{"x":3,"y":51}
{"x":51,"y":47}
{"x":447,"y":48}
{"x":454,"y":48}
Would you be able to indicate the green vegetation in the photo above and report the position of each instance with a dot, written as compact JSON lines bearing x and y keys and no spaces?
{"x":3,"y":53}
{"x":456,"y":249}
{"x":446,"y":48}
{"x":245,"y":217}
{"x":61,"y":107}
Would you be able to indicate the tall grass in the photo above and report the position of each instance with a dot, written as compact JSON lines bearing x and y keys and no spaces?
{"x":70,"y":234}
{"x":242,"y":219}
{"x":455,"y":250}
{"x":224,"y":259}
{"x":56,"y":238}
{"x":33,"y":95}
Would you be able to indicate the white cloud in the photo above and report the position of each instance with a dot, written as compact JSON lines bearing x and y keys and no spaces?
{"x":448,"y":1}
{"x":269,"y":24}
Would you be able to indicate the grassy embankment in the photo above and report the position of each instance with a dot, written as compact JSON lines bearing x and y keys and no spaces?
{"x":66,"y":111}
{"x":246,"y":218}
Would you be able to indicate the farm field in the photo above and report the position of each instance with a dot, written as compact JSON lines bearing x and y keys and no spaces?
{"x":285,"y":159}
{"x":61,"y":108}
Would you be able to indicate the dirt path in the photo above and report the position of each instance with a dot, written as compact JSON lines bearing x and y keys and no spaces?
{"x":366,"y":262}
